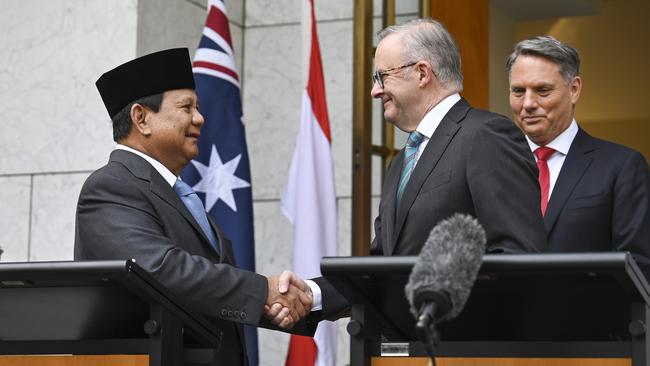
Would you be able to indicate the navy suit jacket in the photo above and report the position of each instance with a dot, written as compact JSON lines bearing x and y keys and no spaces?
{"x":601,"y":201}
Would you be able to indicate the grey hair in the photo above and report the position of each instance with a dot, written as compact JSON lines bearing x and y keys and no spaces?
{"x":565,"y":56}
{"x":429,"y":40}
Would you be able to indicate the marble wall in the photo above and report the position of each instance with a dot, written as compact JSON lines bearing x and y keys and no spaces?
{"x":55,"y":130}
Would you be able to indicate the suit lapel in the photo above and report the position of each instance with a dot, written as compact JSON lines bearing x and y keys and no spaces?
{"x":427,"y":162}
{"x":158,"y":186}
{"x":390,"y":186}
{"x":227,"y":255}
{"x":575,"y":165}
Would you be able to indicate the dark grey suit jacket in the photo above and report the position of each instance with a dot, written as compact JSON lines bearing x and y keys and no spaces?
{"x":127,"y":210}
{"x":601,"y":201}
{"x":476,"y":163}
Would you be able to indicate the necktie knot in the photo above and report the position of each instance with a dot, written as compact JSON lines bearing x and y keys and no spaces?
{"x":183,"y":189}
{"x":544,"y":152}
{"x":414,"y":139}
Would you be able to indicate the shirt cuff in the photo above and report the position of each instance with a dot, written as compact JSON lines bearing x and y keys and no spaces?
{"x":317,"y":300}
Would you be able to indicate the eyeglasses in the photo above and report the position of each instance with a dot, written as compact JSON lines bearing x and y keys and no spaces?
{"x":378,"y":76}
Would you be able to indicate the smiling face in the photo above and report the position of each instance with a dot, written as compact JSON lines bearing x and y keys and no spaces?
{"x":542,"y":102}
{"x":400,"y":94}
{"x":174,"y":130}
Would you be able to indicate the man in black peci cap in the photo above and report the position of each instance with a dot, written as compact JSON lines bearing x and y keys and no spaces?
{"x":137,"y":207}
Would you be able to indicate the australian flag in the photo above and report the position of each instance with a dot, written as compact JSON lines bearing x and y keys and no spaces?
{"x":221,"y":173}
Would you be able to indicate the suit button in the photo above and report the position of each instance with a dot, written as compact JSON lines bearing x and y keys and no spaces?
{"x":236,"y":314}
{"x":230,"y":313}
{"x":242,"y":315}
{"x":224,"y":312}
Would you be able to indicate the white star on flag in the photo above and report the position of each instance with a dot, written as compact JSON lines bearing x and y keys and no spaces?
{"x":218,"y":180}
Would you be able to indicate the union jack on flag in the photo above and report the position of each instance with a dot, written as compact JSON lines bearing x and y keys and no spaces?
{"x":215,"y":56}
{"x":221,"y":173}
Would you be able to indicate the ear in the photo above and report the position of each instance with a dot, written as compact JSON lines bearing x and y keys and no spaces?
{"x":424,"y":73}
{"x":140,"y":119}
{"x":575,"y":88}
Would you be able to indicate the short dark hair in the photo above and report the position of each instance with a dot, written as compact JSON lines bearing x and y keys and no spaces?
{"x":122,"y":119}
{"x":565,"y":56}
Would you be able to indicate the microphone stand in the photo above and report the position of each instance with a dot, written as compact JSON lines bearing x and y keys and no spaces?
{"x":425,"y":328}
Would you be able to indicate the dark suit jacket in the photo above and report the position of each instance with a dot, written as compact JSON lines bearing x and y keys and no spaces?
{"x":476,"y":163}
{"x":127,"y":210}
{"x":601,"y":201}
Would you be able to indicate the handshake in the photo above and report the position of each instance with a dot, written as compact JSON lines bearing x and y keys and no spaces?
{"x":289,"y":299}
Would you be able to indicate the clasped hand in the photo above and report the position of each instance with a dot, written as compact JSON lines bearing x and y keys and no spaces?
{"x":289,"y":299}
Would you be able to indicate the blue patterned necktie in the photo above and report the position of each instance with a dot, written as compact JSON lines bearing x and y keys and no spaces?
{"x":410,"y":154}
{"x":196,"y":208}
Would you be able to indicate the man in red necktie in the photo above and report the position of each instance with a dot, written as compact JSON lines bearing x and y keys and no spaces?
{"x":595,"y":194}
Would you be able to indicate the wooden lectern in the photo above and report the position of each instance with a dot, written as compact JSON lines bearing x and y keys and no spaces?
{"x":98,"y":308}
{"x":532,"y":309}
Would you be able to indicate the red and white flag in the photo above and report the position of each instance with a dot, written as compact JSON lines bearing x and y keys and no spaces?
{"x":310,"y":199}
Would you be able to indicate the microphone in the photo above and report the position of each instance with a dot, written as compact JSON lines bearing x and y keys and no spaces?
{"x":444,"y":272}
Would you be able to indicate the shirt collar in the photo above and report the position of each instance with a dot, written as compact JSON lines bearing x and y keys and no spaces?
{"x":562,"y":142}
{"x":166,"y":173}
{"x":433,"y":118}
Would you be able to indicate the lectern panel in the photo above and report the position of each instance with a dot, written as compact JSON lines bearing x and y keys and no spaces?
{"x":71,"y":313}
{"x":97,"y":307}
{"x":544,"y":297}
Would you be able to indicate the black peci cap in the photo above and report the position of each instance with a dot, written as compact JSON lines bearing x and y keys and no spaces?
{"x":147,"y":75}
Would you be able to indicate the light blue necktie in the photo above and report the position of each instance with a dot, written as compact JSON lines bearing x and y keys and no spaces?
{"x":410,"y":154}
{"x":196,"y":208}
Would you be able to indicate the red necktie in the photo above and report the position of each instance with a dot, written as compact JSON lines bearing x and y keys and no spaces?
{"x":542,"y":154}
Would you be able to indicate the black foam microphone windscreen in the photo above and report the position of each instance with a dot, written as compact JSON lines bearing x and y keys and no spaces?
{"x":447,"y":266}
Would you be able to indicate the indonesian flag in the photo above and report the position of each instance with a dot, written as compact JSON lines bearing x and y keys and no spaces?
{"x":309,"y":201}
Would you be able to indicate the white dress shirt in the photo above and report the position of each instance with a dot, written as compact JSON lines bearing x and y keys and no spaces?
{"x":561,"y":145}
